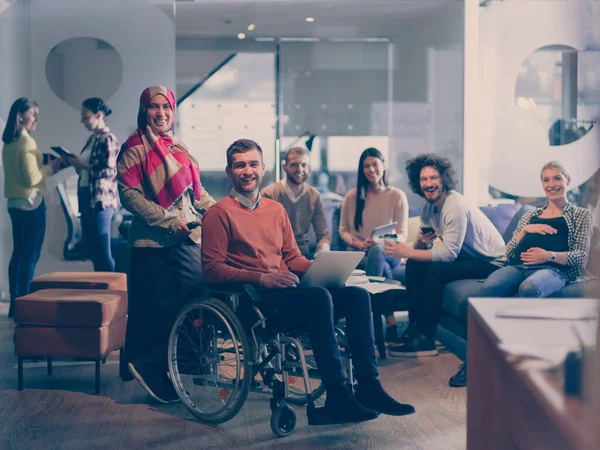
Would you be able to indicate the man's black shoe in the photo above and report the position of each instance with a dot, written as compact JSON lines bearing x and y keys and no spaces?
{"x":392,"y":334}
{"x":340,"y":407}
{"x":159,"y":387}
{"x":371,"y":395}
{"x":418,"y":345}
{"x":460,"y":379}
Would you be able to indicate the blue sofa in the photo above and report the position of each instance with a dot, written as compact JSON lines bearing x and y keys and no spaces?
{"x":456,"y":293}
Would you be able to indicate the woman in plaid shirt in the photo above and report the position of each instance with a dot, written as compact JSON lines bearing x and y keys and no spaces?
{"x":550,"y":246}
{"x":97,"y":185}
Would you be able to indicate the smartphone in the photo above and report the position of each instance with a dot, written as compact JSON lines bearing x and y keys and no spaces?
{"x":47,"y":157}
{"x":192,"y":225}
{"x":426,"y":230}
{"x":62,"y":152}
{"x":391,"y":238}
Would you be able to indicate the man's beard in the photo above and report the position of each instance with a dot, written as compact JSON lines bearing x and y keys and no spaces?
{"x":432,"y":199}
{"x":293,"y":180}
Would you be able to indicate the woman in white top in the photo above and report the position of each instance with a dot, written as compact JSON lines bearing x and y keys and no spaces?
{"x":372,"y":204}
{"x":97,"y":185}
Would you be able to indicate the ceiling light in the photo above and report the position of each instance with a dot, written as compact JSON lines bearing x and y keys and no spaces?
{"x":310,"y":19}
{"x":241,"y":36}
{"x":251,"y":27}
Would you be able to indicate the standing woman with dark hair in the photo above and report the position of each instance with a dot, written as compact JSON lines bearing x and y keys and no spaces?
{"x":159,"y":183}
{"x":24,"y":186}
{"x":372,"y":204}
{"x":97,"y":186}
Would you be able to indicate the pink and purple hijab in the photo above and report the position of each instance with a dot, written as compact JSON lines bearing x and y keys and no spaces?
{"x":161,"y":168}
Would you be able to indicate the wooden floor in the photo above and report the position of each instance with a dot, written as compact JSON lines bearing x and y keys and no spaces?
{"x":59,"y":412}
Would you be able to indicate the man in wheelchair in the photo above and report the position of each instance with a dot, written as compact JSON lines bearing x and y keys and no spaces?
{"x":249,"y":239}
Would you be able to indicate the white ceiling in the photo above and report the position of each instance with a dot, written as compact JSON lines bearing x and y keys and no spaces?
{"x":286,"y":18}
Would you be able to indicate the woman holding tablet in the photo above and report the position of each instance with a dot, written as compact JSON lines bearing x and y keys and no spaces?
{"x":97,"y":186}
{"x":374,"y":204}
{"x":24,"y":186}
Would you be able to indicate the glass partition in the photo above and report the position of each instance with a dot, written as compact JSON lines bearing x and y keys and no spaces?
{"x":236,"y":101}
{"x":336,"y":90}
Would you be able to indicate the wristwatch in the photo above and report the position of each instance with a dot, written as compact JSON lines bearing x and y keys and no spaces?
{"x":552,"y":256}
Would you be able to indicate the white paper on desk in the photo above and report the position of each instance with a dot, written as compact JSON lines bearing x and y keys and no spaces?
{"x":550,"y":312}
{"x":378,"y":288}
{"x":533,"y":357}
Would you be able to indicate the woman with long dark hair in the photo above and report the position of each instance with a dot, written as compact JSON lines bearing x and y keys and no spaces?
{"x":24,"y":187}
{"x":159,"y":183}
{"x":97,"y":185}
{"x":372,"y":204}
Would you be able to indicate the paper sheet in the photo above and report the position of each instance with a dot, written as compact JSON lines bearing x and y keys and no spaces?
{"x":378,"y":288}
{"x":550,"y":312}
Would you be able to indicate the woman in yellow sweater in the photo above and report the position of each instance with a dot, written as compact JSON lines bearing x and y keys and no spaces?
{"x":24,"y":175}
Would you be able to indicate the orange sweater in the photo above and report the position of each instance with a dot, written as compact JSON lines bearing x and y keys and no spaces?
{"x":238,"y":243}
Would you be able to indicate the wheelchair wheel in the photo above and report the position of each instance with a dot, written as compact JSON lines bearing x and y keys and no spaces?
{"x":209,"y":361}
{"x":283,"y":421}
{"x":296,"y":391}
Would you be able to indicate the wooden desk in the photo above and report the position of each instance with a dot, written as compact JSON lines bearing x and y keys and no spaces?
{"x":508,"y":408}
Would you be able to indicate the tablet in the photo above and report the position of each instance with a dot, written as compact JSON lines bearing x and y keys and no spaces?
{"x":379,"y":232}
{"x":62,"y":152}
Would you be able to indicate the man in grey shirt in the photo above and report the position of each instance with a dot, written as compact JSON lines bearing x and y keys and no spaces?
{"x":469,"y":242}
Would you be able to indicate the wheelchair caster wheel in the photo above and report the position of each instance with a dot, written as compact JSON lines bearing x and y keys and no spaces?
{"x":283,"y":421}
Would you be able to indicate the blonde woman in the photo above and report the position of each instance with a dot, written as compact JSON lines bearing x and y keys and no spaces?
{"x":550,"y":246}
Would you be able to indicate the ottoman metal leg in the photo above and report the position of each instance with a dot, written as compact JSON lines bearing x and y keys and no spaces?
{"x":97,"y":387}
{"x":20,"y":374}
{"x":123,"y":370}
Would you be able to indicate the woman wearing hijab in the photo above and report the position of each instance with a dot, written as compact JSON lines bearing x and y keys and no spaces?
{"x":159,"y":183}
{"x":97,"y":185}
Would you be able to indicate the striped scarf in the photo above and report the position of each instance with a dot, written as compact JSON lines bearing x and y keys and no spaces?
{"x":161,"y":168}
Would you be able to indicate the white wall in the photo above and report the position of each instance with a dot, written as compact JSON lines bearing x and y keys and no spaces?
{"x":514,"y":144}
{"x":15,"y":82}
{"x":144,"y":37}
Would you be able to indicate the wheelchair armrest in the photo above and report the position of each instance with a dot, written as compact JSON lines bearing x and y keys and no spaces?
{"x":231,"y":288}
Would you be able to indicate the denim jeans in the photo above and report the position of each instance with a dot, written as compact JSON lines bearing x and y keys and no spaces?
{"x":316,"y":309}
{"x":95,"y":229}
{"x":378,"y":263}
{"x":511,"y":280}
{"x":28,"y":231}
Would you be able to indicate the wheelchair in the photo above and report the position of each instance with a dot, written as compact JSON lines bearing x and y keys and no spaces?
{"x":215,"y":360}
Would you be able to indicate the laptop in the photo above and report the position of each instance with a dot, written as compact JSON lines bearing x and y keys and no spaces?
{"x":331,"y":269}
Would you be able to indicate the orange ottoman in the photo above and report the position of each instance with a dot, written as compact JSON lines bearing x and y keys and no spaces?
{"x":113,"y":281}
{"x":77,"y":323}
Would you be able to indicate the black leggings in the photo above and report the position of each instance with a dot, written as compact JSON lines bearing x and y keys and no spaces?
{"x":161,"y":282}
